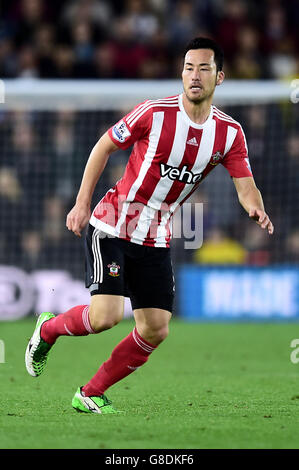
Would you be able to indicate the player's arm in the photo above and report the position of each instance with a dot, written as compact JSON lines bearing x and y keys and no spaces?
{"x":79,"y":216}
{"x":251,"y":199}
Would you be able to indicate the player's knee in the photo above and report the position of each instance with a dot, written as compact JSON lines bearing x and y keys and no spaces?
{"x":157,"y":335}
{"x":162,"y":333}
{"x":105,"y":312}
{"x":102,"y":324}
{"x":100,"y":321}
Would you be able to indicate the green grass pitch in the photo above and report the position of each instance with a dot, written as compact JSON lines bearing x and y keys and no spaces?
{"x":208,"y":386}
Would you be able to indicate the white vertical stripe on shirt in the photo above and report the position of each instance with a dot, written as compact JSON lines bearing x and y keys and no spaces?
{"x":245,"y":141}
{"x":204,"y":154}
{"x":154,"y":138}
{"x":164,"y":185}
{"x":175,"y":157}
{"x":230,"y":137}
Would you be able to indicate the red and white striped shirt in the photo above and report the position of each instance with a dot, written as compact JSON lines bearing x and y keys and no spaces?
{"x":170,"y":157}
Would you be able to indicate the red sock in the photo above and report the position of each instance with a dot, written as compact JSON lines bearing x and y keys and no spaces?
{"x":131,"y":353}
{"x":74,"y":322}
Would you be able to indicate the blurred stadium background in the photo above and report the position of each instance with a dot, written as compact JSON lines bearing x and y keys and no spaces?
{"x":70,"y":70}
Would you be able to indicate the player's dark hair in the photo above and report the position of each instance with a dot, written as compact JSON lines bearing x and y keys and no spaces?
{"x":207,"y":43}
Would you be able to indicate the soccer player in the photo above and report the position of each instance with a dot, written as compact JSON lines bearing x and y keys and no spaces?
{"x":176,"y":142}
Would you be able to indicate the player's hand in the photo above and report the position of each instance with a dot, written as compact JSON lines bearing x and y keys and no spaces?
{"x":262,"y":219}
{"x":78,"y":218}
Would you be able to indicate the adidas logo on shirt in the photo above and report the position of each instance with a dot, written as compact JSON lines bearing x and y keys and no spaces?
{"x":192,"y":141}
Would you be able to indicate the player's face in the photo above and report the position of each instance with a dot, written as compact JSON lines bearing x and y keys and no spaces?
{"x":200,"y":75}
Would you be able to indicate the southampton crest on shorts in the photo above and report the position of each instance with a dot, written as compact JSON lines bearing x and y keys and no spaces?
{"x":113,"y":269}
{"x":216,"y":158}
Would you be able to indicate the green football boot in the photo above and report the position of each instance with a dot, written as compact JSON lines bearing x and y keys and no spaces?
{"x":100,"y":404}
{"x":37,"y":350}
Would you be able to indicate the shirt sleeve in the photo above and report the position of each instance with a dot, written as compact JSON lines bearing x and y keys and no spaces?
{"x":236,"y":160}
{"x":132,"y":127}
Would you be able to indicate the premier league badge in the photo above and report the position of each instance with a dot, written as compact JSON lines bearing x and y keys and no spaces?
{"x":120,"y":131}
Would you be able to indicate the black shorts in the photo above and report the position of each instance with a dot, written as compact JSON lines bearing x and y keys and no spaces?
{"x":118,"y":267}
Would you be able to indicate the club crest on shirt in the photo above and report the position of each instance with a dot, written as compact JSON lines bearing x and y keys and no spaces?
{"x":120,"y":131}
{"x":113,"y":269}
{"x":216,"y":158}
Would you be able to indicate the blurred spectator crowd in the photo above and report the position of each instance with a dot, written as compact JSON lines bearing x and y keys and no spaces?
{"x":145,"y":38}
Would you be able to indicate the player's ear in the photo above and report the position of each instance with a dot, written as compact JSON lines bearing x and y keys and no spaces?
{"x":220,"y":77}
